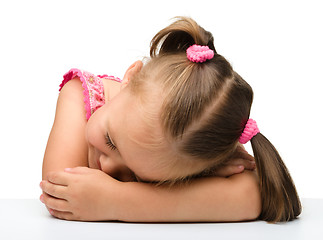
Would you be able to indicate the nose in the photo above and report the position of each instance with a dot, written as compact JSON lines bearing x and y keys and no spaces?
{"x":116,"y":170}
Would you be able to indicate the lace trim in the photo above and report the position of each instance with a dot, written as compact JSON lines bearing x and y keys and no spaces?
{"x":93,"y":88}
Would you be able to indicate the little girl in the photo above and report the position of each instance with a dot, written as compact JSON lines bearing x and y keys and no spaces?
{"x":164,"y":144}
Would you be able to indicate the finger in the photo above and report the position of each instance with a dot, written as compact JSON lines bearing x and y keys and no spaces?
{"x":244,"y":155}
{"x":241,"y":152}
{"x":250,"y":165}
{"x":54,"y":203}
{"x":60,"y":178}
{"x":61,"y":214}
{"x":54,"y":190}
{"x":229,"y":170}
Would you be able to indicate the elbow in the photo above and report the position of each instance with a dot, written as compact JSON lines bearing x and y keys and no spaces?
{"x":252,"y":204}
{"x":250,"y":197}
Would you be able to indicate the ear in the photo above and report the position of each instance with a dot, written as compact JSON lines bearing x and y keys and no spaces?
{"x":131,"y":72}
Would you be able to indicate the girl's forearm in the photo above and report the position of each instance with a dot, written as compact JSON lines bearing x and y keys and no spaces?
{"x":213,"y":199}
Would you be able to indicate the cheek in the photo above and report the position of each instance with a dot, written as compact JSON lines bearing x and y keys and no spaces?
{"x":96,"y":136}
{"x":91,"y":137}
{"x":93,"y":131}
{"x":91,"y":158}
{"x":96,"y":140}
{"x":92,"y":145}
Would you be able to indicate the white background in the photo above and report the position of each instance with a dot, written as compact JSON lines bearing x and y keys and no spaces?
{"x":274,"y":45}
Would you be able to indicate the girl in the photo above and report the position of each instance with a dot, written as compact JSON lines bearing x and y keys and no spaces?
{"x":165,"y":144}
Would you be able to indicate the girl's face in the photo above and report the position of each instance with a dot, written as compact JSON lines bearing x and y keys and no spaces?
{"x":120,"y":141}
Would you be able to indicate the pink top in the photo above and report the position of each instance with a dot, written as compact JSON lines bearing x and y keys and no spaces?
{"x":93,"y":88}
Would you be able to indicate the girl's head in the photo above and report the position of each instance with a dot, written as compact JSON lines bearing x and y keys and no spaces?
{"x":192,"y":115}
{"x":204,"y":106}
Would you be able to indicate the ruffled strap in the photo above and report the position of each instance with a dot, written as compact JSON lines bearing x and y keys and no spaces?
{"x":93,"y":89}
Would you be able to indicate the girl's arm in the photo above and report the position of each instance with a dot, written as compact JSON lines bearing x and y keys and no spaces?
{"x":69,"y":194}
{"x":212,"y":199}
{"x":66,"y":145}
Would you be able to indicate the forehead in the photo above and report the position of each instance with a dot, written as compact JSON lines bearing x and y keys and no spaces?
{"x":141,"y":117}
{"x":139,"y":136}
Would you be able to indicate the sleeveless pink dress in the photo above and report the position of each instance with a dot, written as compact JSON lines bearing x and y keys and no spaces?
{"x":93,"y":89}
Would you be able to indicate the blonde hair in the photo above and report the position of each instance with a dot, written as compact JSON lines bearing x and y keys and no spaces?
{"x":205,"y":108}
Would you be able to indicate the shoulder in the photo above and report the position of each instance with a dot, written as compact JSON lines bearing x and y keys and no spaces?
{"x":96,"y":89}
{"x":71,"y":101}
{"x":72,"y":90}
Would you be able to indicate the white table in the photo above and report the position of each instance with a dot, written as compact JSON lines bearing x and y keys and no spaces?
{"x":28,"y":219}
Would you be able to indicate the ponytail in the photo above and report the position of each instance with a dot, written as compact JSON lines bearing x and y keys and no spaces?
{"x":180,"y":35}
{"x":279,"y":198}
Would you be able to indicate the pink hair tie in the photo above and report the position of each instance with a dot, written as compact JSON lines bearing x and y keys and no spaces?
{"x":197,"y":53}
{"x":250,"y":130}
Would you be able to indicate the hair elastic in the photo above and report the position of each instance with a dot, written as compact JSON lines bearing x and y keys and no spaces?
{"x":249,"y":131}
{"x":198,"y":53}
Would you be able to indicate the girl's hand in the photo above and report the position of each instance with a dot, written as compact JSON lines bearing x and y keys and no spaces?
{"x":240,"y":161}
{"x":81,"y":193}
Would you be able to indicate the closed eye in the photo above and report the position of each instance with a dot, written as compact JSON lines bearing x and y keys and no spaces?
{"x":109,"y":143}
